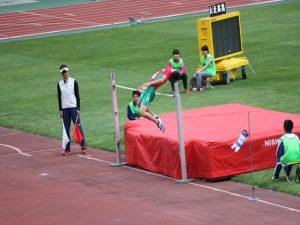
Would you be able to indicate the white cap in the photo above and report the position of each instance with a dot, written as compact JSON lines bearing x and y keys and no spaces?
{"x":65,"y":68}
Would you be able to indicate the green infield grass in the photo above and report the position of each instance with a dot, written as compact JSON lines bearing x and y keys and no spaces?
{"x":29,"y":74}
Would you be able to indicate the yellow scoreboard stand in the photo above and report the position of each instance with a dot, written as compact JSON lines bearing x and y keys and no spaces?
{"x":222,"y":35}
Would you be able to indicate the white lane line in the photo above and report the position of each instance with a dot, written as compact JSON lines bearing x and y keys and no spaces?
{"x":44,"y":174}
{"x":37,"y":151}
{"x":57,"y":17}
{"x":13,"y":133}
{"x":145,"y":13}
{"x":16,"y":149}
{"x":198,"y":185}
{"x":39,"y":24}
{"x":69,"y":14}
{"x":9,"y":3}
{"x":125,"y":22}
{"x":243,"y":196}
{"x":64,"y":30}
{"x":95,"y":159}
{"x":176,"y":3}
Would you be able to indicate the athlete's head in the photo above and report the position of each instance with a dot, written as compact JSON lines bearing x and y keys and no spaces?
{"x":168,"y":72}
{"x":176,"y":55}
{"x":204,"y":50}
{"x":288,"y":126}
{"x":175,"y":75}
{"x":63,"y":69}
{"x":135,"y":97}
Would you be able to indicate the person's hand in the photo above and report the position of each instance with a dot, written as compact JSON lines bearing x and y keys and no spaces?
{"x":78,"y":112}
{"x":61,"y":114}
{"x":173,"y":70}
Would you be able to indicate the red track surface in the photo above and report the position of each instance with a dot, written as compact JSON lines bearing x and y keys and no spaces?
{"x":47,"y":188}
{"x":97,"y":14}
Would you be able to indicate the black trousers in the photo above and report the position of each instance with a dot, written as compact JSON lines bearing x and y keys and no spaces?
{"x":278,"y":167}
{"x":182,"y":77}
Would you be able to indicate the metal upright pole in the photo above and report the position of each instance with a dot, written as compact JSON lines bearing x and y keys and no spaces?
{"x":251,"y":161}
{"x":180,"y":136}
{"x":116,"y":122}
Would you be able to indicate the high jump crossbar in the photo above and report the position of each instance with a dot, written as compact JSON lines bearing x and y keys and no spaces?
{"x":181,"y":147}
{"x":134,"y":89}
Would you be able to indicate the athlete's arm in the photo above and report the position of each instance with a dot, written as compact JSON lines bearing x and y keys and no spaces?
{"x":204,"y":67}
{"x":162,"y":80}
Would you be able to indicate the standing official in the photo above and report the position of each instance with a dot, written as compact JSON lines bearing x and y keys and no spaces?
{"x":69,"y":105}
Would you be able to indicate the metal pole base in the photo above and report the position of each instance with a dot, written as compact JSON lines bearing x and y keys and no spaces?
{"x":253,"y":199}
{"x":117,"y":164}
{"x":182,"y":181}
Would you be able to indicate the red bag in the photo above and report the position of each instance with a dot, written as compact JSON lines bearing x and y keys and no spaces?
{"x":77,"y":136}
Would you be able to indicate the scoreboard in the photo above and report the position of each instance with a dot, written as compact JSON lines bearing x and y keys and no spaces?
{"x":222,"y":35}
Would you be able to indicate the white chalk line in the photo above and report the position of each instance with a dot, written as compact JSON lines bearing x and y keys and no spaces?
{"x":246,"y":197}
{"x":13,"y":133}
{"x":16,"y":149}
{"x":10,"y":3}
{"x":198,"y":185}
{"x":125,"y":22}
{"x":57,"y":17}
{"x":39,"y":23}
{"x":37,"y":151}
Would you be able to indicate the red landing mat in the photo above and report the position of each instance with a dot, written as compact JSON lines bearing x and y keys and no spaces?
{"x":209,"y":133}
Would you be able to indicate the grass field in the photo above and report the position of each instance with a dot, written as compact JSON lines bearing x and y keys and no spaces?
{"x":29,"y":73}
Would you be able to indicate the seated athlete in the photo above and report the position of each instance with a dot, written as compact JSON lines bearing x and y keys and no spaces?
{"x":288,"y":150}
{"x":157,"y":80}
{"x":207,"y":70}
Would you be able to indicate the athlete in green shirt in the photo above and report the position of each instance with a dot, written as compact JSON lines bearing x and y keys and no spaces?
{"x":133,"y":108}
{"x":148,"y":95}
{"x":288,"y":150}
{"x":207,"y":70}
{"x":176,"y":63}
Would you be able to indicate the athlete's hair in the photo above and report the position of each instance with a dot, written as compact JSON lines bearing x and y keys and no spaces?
{"x":176,"y":75}
{"x":204,"y":48}
{"x":175,"y":51}
{"x":288,"y":126}
{"x":136,"y":93}
{"x":63,"y":66}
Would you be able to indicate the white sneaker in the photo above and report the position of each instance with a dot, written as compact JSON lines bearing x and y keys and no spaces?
{"x":160,"y":125}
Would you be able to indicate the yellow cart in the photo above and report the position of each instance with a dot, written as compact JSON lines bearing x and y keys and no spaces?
{"x":222,"y":35}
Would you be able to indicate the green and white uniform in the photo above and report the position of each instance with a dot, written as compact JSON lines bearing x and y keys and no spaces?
{"x":176,"y":65}
{"x":211,"y":68}
{"x":149,"y":94}
{"x":291,"y":149}
{"x":135,"y":110}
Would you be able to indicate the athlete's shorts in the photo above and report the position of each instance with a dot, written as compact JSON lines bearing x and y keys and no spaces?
{"x":147,"y":97}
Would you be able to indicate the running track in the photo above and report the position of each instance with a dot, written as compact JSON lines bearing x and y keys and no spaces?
{"x":39,"y":186}
{"x":101,"y":14}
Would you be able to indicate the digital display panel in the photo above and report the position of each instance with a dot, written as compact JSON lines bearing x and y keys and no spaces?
{"x":226,"y":36}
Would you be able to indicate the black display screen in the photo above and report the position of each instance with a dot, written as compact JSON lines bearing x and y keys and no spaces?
{"x":226,"y":37}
